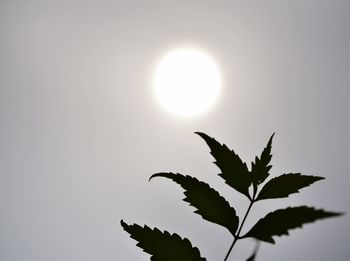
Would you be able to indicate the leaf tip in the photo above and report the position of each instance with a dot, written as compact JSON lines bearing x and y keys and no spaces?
{"x":337,"y":214}
{"x":155,"y":175}
{"x":315,"y":178}
{"x":271,"y":138}
{"x":201,"y":134}
{"x":123,"y":224}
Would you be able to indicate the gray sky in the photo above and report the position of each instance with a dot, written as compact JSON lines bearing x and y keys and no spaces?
{"x":81,"y":130}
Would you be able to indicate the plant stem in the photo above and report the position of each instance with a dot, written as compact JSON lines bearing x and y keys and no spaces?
{"x":229,"y":251}
{"x":239,"y":230}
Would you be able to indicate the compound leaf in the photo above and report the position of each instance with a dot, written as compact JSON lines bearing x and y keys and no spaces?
{"x":207,"y":201}
{"x":233,"y":170}
{"x":261,"y":167}
{"x":278,"y":223}
{"x":162,"y":245}
{"x":286,"y":184}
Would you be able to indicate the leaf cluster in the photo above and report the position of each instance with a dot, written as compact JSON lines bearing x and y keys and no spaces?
{"x":213,"y":207}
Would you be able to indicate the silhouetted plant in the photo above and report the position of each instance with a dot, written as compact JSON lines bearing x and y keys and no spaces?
{"x":215,"y":208}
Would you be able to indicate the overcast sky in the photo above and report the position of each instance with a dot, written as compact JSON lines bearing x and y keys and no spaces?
{"x":81,"y":130}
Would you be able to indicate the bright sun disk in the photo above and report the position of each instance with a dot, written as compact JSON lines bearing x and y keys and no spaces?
{"x":187,"y":82}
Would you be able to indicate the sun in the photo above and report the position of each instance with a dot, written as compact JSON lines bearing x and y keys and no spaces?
{"x":187,"y":82}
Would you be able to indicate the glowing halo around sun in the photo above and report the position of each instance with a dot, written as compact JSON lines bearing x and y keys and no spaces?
{"x":187,"y":82}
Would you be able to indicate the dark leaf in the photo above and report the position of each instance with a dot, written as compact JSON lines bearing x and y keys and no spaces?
{"x":278,"y":223}
{"x":162,"y":245}
{"x":208,"y":202}
{"x":261,"y":167}
{"x":286,"y":184}
{"x":233,"y":170}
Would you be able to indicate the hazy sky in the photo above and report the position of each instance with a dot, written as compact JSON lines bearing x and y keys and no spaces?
{"x":81,"y":130}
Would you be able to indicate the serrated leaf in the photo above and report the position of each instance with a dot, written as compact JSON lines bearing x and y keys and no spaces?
{"x":233,"y":170}
{"x":162,"y":245}
{"x":261,"y":167}
{"x":208,"y":202}
{"x":278,"y":223}
{"x":286,"y":184}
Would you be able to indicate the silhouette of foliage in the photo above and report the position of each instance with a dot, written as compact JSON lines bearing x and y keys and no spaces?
{"x":233,"y":170}
{"x":213,"y":207}
{"x":261,"y":167}
{"x":286,"y":184}
{"x":278,"y":223}
{"x":208,"y":202}
{"x":162,"y":245}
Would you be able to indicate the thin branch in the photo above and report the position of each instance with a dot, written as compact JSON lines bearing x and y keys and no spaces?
{"x":239,"y":230}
